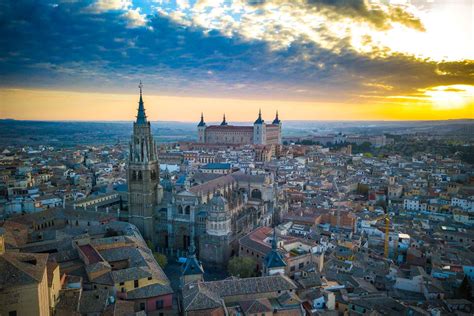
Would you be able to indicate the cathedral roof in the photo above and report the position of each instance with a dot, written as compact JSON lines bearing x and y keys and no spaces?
{"x":192,"y":266}
{"x":231,"y":127}
{"x":218,"y":200}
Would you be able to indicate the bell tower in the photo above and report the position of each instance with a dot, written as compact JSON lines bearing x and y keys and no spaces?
{"x":143,"y":174}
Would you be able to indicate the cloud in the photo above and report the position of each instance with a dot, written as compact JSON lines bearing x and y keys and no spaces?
{"x":381,"y":16}
{"x":135,"y":18}
{"x":286,"y":53}
{"x":108,"y":5}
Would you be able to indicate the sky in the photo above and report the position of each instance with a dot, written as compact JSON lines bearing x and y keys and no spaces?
{"x":308,"y":59}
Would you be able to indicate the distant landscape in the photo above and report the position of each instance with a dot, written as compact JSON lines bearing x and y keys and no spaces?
{"x":69,"y":133}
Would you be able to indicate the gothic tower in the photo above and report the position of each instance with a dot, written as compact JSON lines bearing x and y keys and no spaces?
{"x":143,"y":175}
{"x":259,"y":130}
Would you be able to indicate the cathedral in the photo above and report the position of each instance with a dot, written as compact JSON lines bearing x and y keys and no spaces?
{"x":208,"y":214}
{"x":214,"y":214}
{"x":260,"y":133}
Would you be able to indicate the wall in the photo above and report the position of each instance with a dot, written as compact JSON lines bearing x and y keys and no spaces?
{"x":32,"y":299}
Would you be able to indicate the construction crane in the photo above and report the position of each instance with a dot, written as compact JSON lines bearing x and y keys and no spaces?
{"x":386,"y":218}
{"x":339,"y":206}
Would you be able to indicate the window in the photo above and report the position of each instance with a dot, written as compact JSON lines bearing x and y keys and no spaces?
{"x":142,"y":306}
{"x":122,"y":283}
{"x":149,"y":278}
{"x":301,"y":265}
{"x":159,"y":304}
{"x":135,"y":283}
{"x":12,"y":313}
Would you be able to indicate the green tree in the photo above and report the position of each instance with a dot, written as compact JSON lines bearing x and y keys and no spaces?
{"x":243,"y":267}
{"x":150,"y":245}
{"x":161,"y":259}
{"x":464,"y":290}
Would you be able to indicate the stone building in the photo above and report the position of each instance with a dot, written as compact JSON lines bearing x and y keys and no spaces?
{"x":259,"y":134}
{"x":145,"y":191}
{"x":30,"y":284}
{"x":219,"y":211}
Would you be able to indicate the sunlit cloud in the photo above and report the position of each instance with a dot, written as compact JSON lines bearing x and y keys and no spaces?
{"x":399,"y":58}
{"x":451,"y":97}
{"x":370,"y":28}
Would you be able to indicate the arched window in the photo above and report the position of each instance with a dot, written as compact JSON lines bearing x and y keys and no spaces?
{"x":180,"y":209}
{"x":140,"y":177}
{"x":187,"y":209}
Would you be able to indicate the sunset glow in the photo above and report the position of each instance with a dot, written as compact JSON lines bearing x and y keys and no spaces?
{"x":318,"y":60}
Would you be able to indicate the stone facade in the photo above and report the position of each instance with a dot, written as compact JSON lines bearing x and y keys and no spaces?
{"x":143,"y":175}
{"x":217,"y":213}
{"x":259,"y":134}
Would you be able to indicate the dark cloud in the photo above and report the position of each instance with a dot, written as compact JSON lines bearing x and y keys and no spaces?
{"x":66,"y":47}
{"x":358,"y":10}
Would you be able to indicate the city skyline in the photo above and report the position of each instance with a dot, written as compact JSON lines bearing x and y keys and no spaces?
{"x":320,"y":60}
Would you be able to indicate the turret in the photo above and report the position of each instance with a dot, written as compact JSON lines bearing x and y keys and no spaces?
{"x":218,"y":219}
{"x":259,"y":130}
{"x":277,"y":121}
{"x":224,"y":122}
{"x":202,"y":130}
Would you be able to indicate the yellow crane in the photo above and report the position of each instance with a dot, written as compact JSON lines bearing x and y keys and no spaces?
{"x":385,"y":217}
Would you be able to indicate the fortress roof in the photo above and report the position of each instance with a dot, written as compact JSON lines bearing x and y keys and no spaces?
{"x":231,"y":128}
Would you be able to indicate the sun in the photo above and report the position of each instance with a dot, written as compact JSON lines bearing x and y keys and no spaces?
{"x":450,"y":97}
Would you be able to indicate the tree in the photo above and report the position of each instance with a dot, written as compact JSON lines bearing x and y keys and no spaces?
{"x":243,"y":267}
{"x":150,"y":245}
{"x":161,"y":259}
{"x":464,"y":290}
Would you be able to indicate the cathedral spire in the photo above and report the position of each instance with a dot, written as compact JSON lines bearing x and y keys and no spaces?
{"x":274,"y":261}
{"x":192,"y":269}
{"x":141,"y":116}
{"x":274,"y":240}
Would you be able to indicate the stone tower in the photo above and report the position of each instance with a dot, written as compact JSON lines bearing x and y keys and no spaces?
{"x":215,"y":246}
{"x":143,"y":175}
{"x":259,"y":130}
{"x":202,"y":130}
{"x":277,"y":121}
